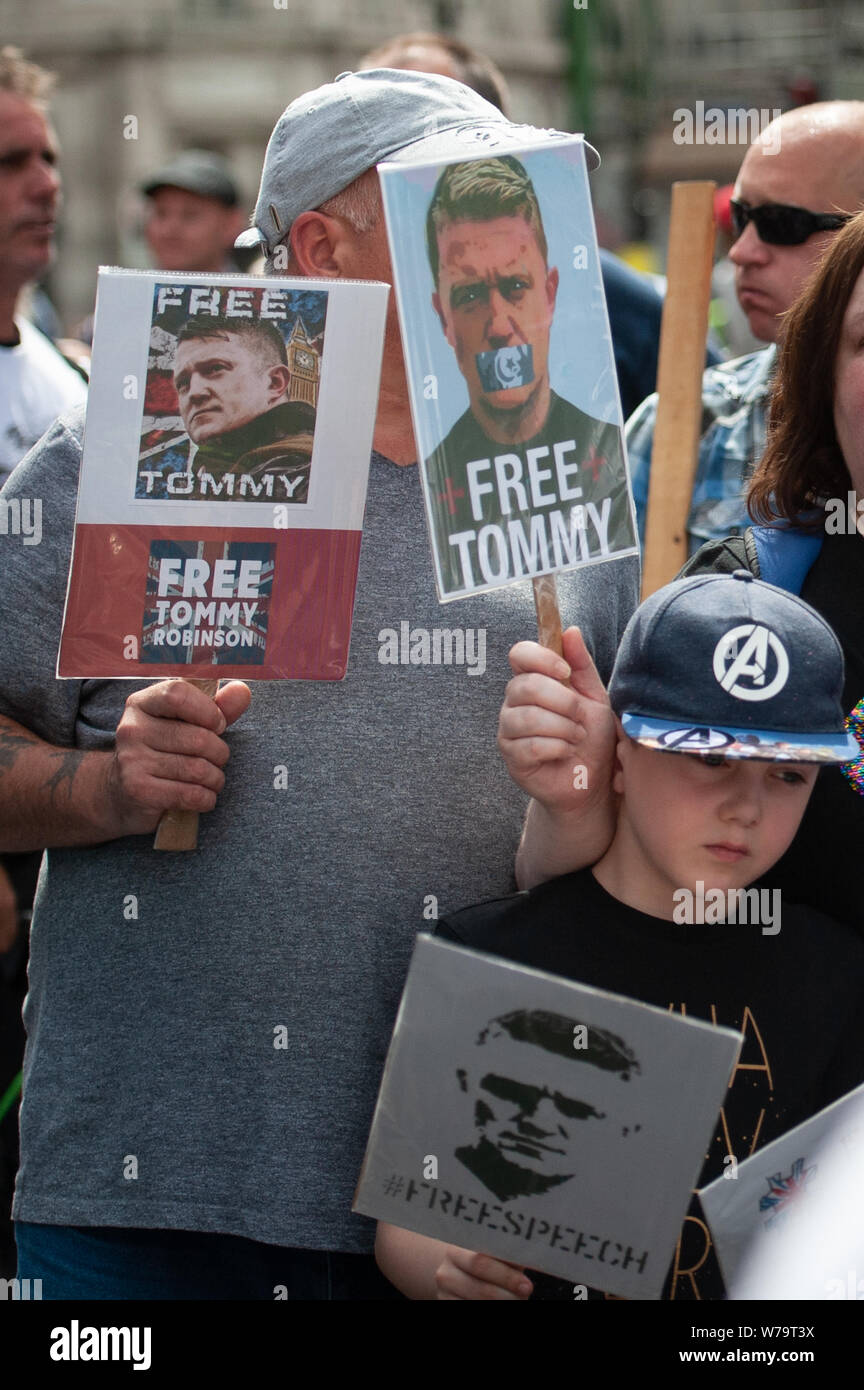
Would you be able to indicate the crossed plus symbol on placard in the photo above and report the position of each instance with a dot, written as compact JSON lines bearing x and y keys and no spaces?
{"x":449,"y":495}
{"x":595,"y":462}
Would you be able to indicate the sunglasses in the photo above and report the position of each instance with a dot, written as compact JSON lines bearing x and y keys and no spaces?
{"x":781,"y":225}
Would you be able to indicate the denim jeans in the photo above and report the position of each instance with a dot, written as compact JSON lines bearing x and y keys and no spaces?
{"x":106,"y":1262}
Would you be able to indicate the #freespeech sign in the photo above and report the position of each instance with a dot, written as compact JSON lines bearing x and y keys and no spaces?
{"x":592,"y":1189}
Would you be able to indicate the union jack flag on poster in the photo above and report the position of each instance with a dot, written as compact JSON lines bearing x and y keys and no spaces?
{"x":783,"y":1190}
{"x":746,"y":1220}
{"x":190,"y":630}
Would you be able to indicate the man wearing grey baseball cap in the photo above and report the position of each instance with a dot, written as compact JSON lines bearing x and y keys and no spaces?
{"x":200,"y":1080}
{"x":323,"y":217}
{"x":364,"y":118}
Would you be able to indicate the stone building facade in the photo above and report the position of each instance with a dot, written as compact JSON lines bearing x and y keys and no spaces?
{"x":138,"y":82}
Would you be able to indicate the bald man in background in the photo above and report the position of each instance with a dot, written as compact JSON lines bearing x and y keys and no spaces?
{"x":810,"y":161}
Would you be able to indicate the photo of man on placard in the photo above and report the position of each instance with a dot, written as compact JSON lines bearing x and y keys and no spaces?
{"x":495,"y":297}
{"x":232,"y":380}
{"x":231,"y":397}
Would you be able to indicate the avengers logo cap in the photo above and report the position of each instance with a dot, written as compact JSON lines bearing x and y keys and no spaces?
{"x":726,"y":664}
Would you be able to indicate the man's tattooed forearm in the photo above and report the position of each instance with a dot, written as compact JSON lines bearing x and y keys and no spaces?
{"x":11,"y":745}
{"x":68,"y":763}
{"x":65,"y":761}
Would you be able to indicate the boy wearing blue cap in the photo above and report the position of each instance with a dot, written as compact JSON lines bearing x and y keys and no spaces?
{"x":726,"y":692}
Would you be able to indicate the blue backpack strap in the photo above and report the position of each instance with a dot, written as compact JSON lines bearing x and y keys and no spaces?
{"x":786,"y":554}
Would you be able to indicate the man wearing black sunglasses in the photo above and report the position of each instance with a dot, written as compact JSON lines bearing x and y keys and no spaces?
{"x":778,"y":224}
{"x":800,"y":181}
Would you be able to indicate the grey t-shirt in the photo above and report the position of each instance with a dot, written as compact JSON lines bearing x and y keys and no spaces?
{"x":212,"y":1062}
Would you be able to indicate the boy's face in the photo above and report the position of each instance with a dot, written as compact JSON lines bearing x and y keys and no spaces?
{"x":687,"y":817}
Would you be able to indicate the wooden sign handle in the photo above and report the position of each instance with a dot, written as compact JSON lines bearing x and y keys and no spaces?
{"x":679,"y":382}
{"x":178,"y":830}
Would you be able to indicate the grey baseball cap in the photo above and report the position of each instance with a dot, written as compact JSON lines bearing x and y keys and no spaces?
{"x":196,"y":171}
{"x":327,"y":138}
{"x":729,"y":665}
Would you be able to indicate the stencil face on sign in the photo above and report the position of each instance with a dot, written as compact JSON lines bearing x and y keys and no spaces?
{"x":552,"y":1135}
{"x":527,"y":1136}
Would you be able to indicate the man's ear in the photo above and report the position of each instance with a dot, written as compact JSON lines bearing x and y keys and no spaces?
{"x":552,"y":286}
{"x":316,"y":243}
{"x":278,"y":381}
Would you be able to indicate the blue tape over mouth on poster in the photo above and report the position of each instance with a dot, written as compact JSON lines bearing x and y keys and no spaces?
{"x":499,"y":369}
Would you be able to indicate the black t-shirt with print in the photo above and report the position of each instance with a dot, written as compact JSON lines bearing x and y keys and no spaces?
{"x":821,"y":867}
{"x":797,"y":996}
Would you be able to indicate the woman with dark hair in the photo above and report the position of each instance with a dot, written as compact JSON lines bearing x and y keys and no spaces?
{"x":804,"y":499}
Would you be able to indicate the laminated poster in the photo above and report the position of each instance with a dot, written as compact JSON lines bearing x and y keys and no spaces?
{"x":542,"y":1121}
{"x":512,"y":379}
{"x":774,"y":1188}
{"x":226,"y":458}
